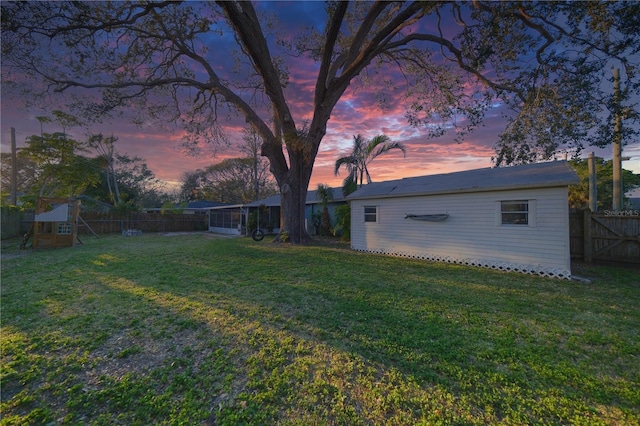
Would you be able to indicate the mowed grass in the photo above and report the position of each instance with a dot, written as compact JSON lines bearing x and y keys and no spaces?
{"x":193,"y":329}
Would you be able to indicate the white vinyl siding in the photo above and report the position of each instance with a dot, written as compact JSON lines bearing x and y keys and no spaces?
{"x":470,"y":232}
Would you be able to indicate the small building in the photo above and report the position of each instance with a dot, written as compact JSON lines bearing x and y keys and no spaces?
{"x":511,"y":219}
{"x":55,"y":223}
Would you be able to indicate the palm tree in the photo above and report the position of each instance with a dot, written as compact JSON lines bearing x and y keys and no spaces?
{"x":364,"y":151}
{"x":325,"y":194}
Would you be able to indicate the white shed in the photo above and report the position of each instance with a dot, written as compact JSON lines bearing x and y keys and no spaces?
{"x":511,"y":219}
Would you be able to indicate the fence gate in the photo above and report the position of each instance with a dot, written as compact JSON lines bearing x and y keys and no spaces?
{"x":610,"y":237}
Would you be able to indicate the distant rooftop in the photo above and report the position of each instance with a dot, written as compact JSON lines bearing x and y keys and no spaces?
{"x":634,"y":202}
{"x":312,"y":198}
{"x":203,"y":204}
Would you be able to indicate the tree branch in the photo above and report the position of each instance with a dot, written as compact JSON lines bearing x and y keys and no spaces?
{"x":459,"y":59}
{"x":360,"y":57}
{"x":243,"y":19}
{"x":131,"y":18}
{"x":333,"y":31}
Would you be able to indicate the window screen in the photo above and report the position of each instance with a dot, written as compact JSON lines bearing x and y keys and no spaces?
{"x":370,"y":213}
{"x":515,"y":212}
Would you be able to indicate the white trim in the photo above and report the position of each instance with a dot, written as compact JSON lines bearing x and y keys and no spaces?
{"x":531,"y":213}
{"x":364,"y":213}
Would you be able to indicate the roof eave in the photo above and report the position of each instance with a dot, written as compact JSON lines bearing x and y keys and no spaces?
{"x":226,"y":206}
{"x":469,"y":190}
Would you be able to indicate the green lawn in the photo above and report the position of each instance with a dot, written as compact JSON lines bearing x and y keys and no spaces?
{"x":193,"y":329}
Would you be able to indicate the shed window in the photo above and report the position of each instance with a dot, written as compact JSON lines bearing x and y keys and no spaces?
{"x":515,"y":212}
{"x":370,"y":213}
{"x":64,"y":228}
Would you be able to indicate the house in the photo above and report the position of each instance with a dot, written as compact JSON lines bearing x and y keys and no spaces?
{"x":313,"y":207}
{"x":511,"y":219}
{"x":633,"y":203}
{"x":90,"y":204}
{"x":201,"y":206}
{"x":232,"y":219}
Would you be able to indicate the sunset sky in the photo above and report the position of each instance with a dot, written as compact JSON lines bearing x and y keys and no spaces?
{"x":357,"y":113}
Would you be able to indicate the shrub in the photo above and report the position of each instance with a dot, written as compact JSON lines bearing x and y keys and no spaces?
{"x":343,"y":222}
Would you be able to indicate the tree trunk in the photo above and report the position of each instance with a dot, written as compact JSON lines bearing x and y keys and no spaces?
{"x":293,"y":190}
{"x":256,"y":180}
{"x":115,"y":185}
{"x":325,"y":227}
{"x":293,"y":215}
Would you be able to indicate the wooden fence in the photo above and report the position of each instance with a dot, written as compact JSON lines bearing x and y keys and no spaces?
{"x":612,"y":237}
{"x":107,"y":223}
{"x":10,"y":221}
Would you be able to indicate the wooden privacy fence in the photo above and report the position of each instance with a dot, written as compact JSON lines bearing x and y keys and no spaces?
{"x":614,"y":236}
{"x":10,"y":221}
{"x":107,"y":223}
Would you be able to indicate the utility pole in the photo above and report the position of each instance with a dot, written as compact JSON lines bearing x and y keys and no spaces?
{"x":14,"y":169}
{"x":617,"y":143}
{"x":593,"y":184}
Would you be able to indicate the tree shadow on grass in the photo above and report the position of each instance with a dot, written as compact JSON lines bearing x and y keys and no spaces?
{"x":239,"y":335}
{"x":489,"y":343}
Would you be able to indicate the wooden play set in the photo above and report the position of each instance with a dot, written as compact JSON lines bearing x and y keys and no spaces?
{"x":55,"y":224}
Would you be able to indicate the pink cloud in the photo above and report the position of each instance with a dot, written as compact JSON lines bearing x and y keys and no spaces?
{"x":358,"y":112}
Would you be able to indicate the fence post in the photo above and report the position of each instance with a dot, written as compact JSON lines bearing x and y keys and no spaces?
{"x":586,"y":235}
{"x":593,"y":183}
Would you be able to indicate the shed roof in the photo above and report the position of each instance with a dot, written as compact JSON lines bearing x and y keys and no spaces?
{"x":538,"y":175}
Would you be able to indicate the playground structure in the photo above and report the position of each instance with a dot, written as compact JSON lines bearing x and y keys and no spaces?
{"x":56,"y":223}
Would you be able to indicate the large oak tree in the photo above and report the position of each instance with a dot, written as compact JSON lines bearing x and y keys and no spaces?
{"x":546,"y":61}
